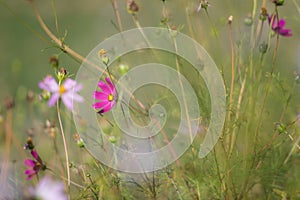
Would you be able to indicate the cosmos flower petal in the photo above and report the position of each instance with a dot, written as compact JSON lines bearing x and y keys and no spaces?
{"x":281,"y":23}
{"x":279,"y":27}
{"x":49,"y":84}
{"x":29,"y":163}
{"x":104,"y":87}
{"x":68,"y":101}
{"x":35,"y":154}
{"x":29,"y":177}
{"x":100,"y":96}
{"x":30,"y":172}
{"x":110,"y":85}
{"x":53,"y":99}
{"x":77,"y":87}
{"x":108,"y":107}
{"x":100,"y":105}
{"x":69,"y":84}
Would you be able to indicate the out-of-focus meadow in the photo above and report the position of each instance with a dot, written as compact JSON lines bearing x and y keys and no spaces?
{"x":258,"y":155}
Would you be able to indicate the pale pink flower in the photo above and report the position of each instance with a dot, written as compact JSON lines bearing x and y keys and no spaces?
{"x":67,"y":91}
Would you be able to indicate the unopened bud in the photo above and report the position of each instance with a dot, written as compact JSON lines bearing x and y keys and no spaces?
{"x":230,"y":19}
{"x":53,"y":60}
{"x":103,"y":56}
{"x":132,"y":7}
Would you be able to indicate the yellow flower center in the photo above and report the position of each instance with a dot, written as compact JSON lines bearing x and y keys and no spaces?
{"x":62,"y":89}
{"x":110,"y":97}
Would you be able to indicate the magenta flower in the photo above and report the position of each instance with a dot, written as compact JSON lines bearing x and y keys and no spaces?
{"x":34,"y":165}
{"x":48,"y":189}
{"x":107,"y":97}
{"x":278,"y":26}
{"x":66,"y":91}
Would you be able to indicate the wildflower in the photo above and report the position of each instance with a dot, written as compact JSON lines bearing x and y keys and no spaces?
{"x":278,"y":26}
{"x":203,"y":4}
{"x":107,"y":97}
{"x":35,"y":165}
{"x":48,"y":189}
{"x":67,"y":91}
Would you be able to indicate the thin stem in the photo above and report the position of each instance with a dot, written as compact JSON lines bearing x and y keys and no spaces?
{"x":297,"y":6}
{"x":267,"y":92}
{"x":232,"y":83}
{"x":242,"y":90}
{"x":117,"y":13}
{"x":55,"y":17}
{"x":64,"y":141}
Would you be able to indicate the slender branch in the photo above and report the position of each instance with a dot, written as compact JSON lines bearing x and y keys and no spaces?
{"x":117,"y":13}
{"x":230,"y":112}
{"x":64,"y":141}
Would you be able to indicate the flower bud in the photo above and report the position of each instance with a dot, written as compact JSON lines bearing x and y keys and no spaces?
{"x":123,"y":68}
{"x":79,"y":141}
{"x":230,"y":19}
{"x":30,"y":96}
{"x":53,"y":60}
{"x":29,"y":144}
{"x":263,"y":14}
{"x":45,"y":95}
{"x":62,"y":74}
{"x":103,"y":56}
{"x":263,"y":47}
{"x":132,"y":7}
{"x":278,"y":2}
{"x":112,"y":139}
{"x":248,"y":21}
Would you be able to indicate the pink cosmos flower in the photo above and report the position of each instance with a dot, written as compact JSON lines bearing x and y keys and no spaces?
{"x":278,"y":26}
{"x":66,"y":91}
{"x":107,"y":97}
{"x":48,"y":189}
{"x":34,"y":165}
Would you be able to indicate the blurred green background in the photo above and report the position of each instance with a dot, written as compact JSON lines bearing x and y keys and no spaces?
{"x":24,"y":57}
